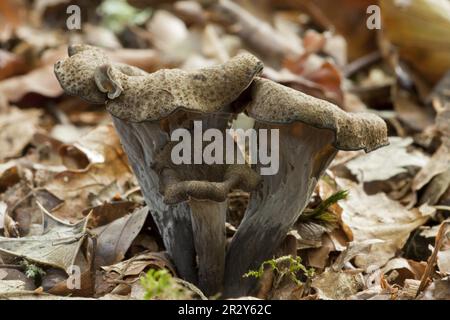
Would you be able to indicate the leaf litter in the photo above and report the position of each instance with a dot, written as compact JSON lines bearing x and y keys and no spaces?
{"x":68,"y":196}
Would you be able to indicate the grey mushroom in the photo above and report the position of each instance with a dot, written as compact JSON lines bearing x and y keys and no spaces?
{"x":188,"y":204}
{"x":311,"y":131}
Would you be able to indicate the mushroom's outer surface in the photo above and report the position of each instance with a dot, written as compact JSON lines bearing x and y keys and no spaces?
{"x":208,"y":90}
{"x":208,"y":225}
{"x":205,"y":188}
{"x":275,"y":103}
{"x":143,"y":106}
{"x":76,"y":73}
{"x":151,"y":97}
{"x":212,"y":182}
{"x":304,"y":154}
{"x":141,"y":142}
{"x":311,"y":132}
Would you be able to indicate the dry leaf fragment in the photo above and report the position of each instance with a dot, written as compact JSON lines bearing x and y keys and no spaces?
{"x":377,"y":217}
{"x":133,"y":267}
{"x":107,"y":164}
{"x":439,"y":163}
{"x":443,"y":261}
{"x":341,"y":285}
{"x":404,"y":269}
{"x":9,"y":175}
{"x":258,"y":34}
{"x":58,"y":244}
{"x":438,"y":290}
{"x":7,"y":286}
{"x":41,"y":81}
{"x":10,"y":64}
{"x":385,"y":163}
{"x":420,"y":31}
{"x":17,"y":128}
{"x":114,"y":239}
{"x":167,"y":31}
{"x":354,"y":249}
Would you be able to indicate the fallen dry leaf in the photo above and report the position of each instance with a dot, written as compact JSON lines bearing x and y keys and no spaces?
{"x":17,"y":128}
{"x":9,"y":175}
{"x":41,"y":81}
{"x":105,"y":164}
{"x":338,"y":285}
{"x":404,"y":269}
{"x":10,"y":64}
{"x":57,"y":245}
{"x":132,"y":268}
{"x":387,"y":162}
{"x":416,"y":27}
{"x":439,"y":163}
{"x":114,"y":239}
{"x":443,"y":261}
{"x":377,"y":217}
{"x":438,"y":290}
{"x":8,"y":286}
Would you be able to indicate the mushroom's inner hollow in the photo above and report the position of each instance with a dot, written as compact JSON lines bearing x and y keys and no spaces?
{"x":201,"y":160}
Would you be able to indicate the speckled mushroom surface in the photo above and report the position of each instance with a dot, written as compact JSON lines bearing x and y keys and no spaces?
{"x":76,"y":73}
{"x":274,"y":103}
{"x":163,"y":92}
{"x":138,"y":96}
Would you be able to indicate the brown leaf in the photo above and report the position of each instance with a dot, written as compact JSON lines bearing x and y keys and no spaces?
{"x":133,"y":267}
{"x":10,"y":64}
{"x":439,"y":163}
{"x":41,"y":81}
{"x":420,"y":30}
{"x":387,"y":162}
{"x":107,"y":164}
{"x":323,"y":74}
{"x":404,"y":269}
{"x":114,"y":239}
{"x":377,"y":217}
{"x":441,"y":238}
{"x":17,"y":128}
{"x":9,"y":175}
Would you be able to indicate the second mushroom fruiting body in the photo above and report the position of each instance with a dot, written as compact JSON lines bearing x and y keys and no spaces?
{"x":311,"y":131}
{"x":188,"y":201}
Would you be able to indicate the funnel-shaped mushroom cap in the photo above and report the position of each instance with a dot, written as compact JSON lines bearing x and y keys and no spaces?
{"x":160,"y":94}
{"x":134,"y":95}
{"x":275,"y":103}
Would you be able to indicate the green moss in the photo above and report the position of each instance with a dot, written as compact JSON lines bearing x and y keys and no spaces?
{"x":159,"y":284}
{"x":117,"y":14}
{"x":283,"y":266}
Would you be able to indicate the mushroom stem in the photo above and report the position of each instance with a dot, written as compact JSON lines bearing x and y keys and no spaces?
{"x":208,"y":224}
{"x":141,"y":141}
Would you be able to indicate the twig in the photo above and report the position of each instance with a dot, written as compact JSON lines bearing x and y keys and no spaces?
{"x":11,"y":266}
{"x":361,"y":63}
{"x":443,"y":208}
{"x":191,"y":287}
{"x":432,"y":259}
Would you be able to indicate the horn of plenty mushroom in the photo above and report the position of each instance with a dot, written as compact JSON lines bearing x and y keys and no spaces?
{"x":311,"y":131}
{"x":188,"y":201}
